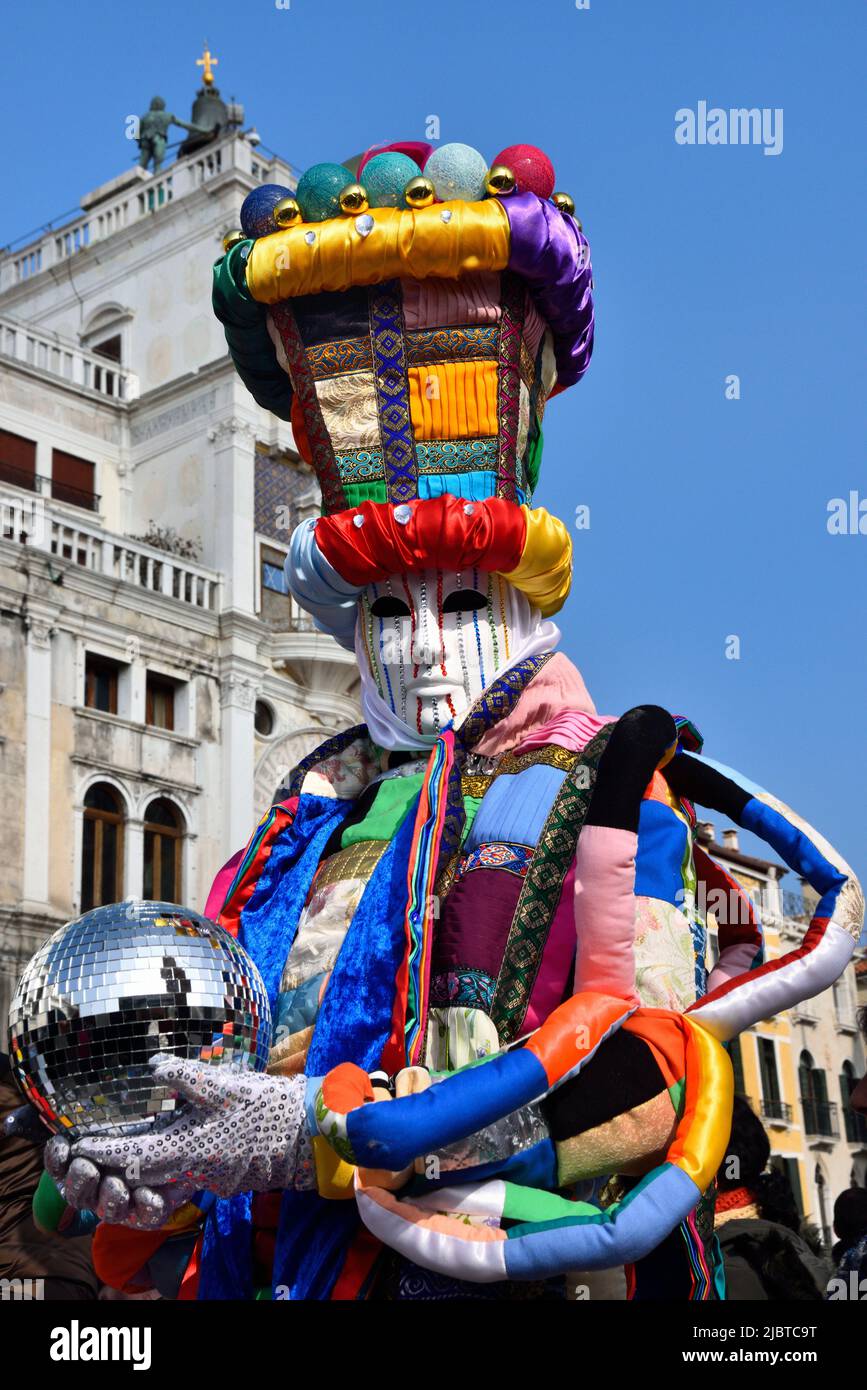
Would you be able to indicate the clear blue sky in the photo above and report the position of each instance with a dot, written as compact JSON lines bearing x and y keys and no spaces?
{"x":708,"y":516}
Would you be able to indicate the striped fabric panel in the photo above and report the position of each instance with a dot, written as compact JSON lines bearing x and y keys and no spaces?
{"x":453,"y":400}
{"x":434,"y":303}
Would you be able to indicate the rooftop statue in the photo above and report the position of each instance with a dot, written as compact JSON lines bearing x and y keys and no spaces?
{"x":154,"y":127}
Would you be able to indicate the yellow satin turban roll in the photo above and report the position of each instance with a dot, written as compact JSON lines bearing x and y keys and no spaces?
{"x":700,"y":1142}
{"x":544,"y":573}
{"x":446,"y":240}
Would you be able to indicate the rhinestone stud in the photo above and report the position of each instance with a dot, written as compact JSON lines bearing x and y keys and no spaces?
{"x":402,"y":513}
{"x":364,"y":224}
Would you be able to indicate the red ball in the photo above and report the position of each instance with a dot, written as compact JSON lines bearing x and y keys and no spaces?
{"x":532,"y":169}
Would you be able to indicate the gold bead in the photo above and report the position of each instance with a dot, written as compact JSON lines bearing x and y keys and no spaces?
{"x":500,"y":179}
{"x":232,"y":239}
{"x":287,"y":213}
{"x":564,"y":203}
{"x":353,"y":199}
{"x":419,"y":192}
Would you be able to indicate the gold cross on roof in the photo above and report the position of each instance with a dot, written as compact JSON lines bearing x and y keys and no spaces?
{"x":207,"y":61}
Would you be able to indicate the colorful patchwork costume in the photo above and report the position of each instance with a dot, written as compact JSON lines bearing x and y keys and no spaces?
{"x":482,"y":904}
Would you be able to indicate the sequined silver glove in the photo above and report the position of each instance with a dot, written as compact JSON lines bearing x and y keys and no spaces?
{"x":241,"y":1132}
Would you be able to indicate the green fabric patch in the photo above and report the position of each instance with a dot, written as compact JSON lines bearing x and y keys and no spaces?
{"x":529,"y":1228}
{"x":676,"y":1092}
{"x":533,"y":457}
{"x":48,"y":1205}
{"x":471,"y":806}
{"x":356,"y":493}
{"x":534,"y":1204}
{"x":390,"y":805}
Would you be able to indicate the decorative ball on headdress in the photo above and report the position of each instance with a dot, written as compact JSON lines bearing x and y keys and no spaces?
{"x":353,"y":199}
{"x":564,"y":203}
{"x":287,"y":213}
{"x":532,"y":169}
{"x":233,"y":238}
{"x":419,"y":192}
{"x":457,"y":171}
{"x":257,"y":209}
{"x":386,"y":176}
{"x":319,"y":190}
{"x":500,"y":181}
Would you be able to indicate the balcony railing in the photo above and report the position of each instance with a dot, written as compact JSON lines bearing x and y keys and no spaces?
{"x":49,"y":529}
{"x":776,"y":1110}
{"x":49,"y":487}
{"x":139,"y":201}
{"x":64,"y":359}
{"x":820,"y":1118}
{"x":856,"y":1126}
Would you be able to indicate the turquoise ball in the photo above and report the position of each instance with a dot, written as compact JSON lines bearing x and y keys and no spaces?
{"x":386,"y":176}
{"x":457,"y":171}
{"x":318,"y":191}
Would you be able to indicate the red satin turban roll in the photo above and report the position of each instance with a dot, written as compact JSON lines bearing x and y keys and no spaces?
{"x":529,"y":548}
{"x":445,"y":533}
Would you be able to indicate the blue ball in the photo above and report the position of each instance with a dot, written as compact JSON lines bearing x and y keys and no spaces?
{"x":385,"y":176}
{"x":257,"y":209}
{"x":319,"y":190}
{"x":457,"y":171}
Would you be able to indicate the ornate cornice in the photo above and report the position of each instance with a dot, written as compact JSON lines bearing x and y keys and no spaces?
{"x":227,"y":429}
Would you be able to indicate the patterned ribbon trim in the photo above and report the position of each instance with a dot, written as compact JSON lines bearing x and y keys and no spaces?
{"x":493,"y":704}
{"x":449,"y":456}
{"x":421,"y":905}
{"x":321,"y":449}
{"x":392,"y":391}
{"x":509,"y":383}
{"x":541,"y":890}
{"x":424,"y":346}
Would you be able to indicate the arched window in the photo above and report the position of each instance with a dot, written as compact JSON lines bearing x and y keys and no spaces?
{"x":102,"y":847}
{"x":163,"y":840}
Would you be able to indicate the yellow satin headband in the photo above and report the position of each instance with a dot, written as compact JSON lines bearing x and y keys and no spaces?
{"x":409,"y":243}
{"x":544,"y":572}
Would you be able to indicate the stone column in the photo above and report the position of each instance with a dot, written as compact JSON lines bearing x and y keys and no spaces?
{"x":234,"y":446}
{"x":133,"y":869}
{"x":37,"y":765}
{"x":237,"y":700}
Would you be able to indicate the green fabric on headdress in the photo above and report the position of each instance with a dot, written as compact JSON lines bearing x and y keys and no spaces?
{"x":250,"y":347}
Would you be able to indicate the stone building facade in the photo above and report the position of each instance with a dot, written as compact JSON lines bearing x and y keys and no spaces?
{"x":156,"y":682}
{"x":798,"y":1068}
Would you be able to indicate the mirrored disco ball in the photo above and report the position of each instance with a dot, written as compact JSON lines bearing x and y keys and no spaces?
{"x":110,"y":989}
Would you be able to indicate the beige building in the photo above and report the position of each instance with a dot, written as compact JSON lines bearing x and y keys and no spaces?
{"x":798,"y":1069}
{"x":156,"y":683}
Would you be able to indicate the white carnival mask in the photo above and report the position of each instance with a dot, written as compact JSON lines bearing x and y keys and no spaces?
{"x":433,"y":641}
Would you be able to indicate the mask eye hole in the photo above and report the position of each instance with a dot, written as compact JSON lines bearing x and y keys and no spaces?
{"x":464,"y":601}
{"x":389,"y":606}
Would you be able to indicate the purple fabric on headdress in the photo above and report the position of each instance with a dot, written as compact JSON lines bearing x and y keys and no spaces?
{"x":553,"y":257}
